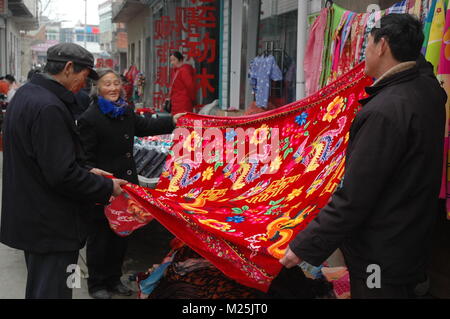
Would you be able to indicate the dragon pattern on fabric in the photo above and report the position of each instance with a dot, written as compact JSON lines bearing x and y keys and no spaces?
{"x":241,"y":214}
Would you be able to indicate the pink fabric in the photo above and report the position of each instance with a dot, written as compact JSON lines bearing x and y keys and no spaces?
{"x":444,"y":76}
{"x":445,"y":184}
{"x":444,"y":64}
{"x":314,"y":52}
{"x":340,"y":278}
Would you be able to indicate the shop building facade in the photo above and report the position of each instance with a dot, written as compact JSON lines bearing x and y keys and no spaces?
{"x":221,"y":39}
{"x":16,"y":18}
{"x":113,"y":38}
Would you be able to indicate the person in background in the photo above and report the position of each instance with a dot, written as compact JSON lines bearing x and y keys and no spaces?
{"x":12,"y":87}
{"x":182,"y":89}
{"x":83,"y":99}
{"x":33,"y":72}
{"x":47,"y":185}
{"x":4,"y":86}
{"x":383,"y":214}
{"x":107,"y":130}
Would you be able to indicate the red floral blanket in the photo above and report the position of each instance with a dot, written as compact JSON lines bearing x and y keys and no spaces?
{"x":239,"y":199}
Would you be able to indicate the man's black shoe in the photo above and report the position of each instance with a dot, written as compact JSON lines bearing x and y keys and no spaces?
{"x":121,"y":290}
{"x":101,"y":294}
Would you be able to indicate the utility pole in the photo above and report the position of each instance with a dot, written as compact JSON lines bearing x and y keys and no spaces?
{"x":85,"y":23}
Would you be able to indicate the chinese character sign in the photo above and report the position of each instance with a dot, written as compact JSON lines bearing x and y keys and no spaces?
{"x":104,"y":63}
{"x":191,"y":31}
{"x":3,"y":7}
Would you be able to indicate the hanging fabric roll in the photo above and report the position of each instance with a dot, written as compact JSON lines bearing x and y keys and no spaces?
{"x":427,"y":26}
{"x":315,"y":48}
{"x":444,"y":76}
{"x":327,"y":44}
{"x":436,"y":33}
{"x":346,"y":33}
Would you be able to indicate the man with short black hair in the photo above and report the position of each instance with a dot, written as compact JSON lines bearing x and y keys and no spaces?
{"x":383,"y":214}
{"x":12,"y":86}
{"x":46,"y":185}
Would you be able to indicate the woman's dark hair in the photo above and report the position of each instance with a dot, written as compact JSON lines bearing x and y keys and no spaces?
{"x":178,"y":55}
{"x":123,"y":78}
{"x":404,"y":34}
{"x":10,"y":78}
{"x":54,"y":68}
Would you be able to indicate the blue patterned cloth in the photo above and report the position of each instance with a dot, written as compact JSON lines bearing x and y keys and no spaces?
{"x":148,"y":285}
{"x":399,"y":7}
{"x":262,"y":71}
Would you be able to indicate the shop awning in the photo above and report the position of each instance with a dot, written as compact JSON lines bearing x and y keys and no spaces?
{"x":23,"y":15}
{"x":19,"y":8}
{"x":128,"y":10}
{"x":26,"y":23}
{"x":43,"y":47}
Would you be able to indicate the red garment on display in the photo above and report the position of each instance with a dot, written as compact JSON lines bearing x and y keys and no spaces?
{"x":183,"y":91}
{"x":4,"y":87}
{"x":242,"y":215}
{"x":132,"y":74}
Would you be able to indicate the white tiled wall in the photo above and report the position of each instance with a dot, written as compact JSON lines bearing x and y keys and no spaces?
{"x":268,"y":8}
{"x":225,"y":54}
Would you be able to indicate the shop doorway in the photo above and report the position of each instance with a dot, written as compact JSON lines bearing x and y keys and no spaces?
{"x":269,"y":28}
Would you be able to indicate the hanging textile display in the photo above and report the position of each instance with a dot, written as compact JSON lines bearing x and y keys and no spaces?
{"x":436,"y":33}
{"x":345,"y":38}
{"x":427,"y":26}
{"x":241,"y":214}
{"x":316,"y":45}
{"x":341,"y":50}
{"x":263,"y":70}
{"x":400,"y":7}
{"x":444,"y":77}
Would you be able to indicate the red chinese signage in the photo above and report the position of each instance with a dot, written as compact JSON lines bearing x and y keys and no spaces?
{"x":196,"y":22}
{"x":104,"y":63}
{"x":3,"y":7}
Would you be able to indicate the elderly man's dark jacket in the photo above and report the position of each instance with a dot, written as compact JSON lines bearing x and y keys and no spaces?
{"x":46,"y":186}
{"x":385,"y":209}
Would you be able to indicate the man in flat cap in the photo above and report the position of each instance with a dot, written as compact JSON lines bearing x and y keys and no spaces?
{"x":46,"y":184}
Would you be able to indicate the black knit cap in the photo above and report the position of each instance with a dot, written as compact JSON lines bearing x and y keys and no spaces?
{"x":65,"y":52}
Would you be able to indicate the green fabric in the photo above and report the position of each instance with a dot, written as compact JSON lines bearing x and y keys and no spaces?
{"x":338,"y":12}
{"x":436,"y":33}
{"x":427,"y":26}
{"x":326,"y":56}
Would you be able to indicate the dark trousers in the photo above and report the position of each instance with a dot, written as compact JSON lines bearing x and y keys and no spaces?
{"x":105,"y":252}
{"x":48,"y":275}
{"x":360,"y":290}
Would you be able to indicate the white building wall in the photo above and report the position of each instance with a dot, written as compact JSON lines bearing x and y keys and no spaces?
{"x":137,"y":30}
{"x":13,"y":52}
{"x":32,"y":6}
{"x":237,"y":17}
{"x":315,"y":6}
{"x":3,"y":46}
{"x":225,"y":71}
